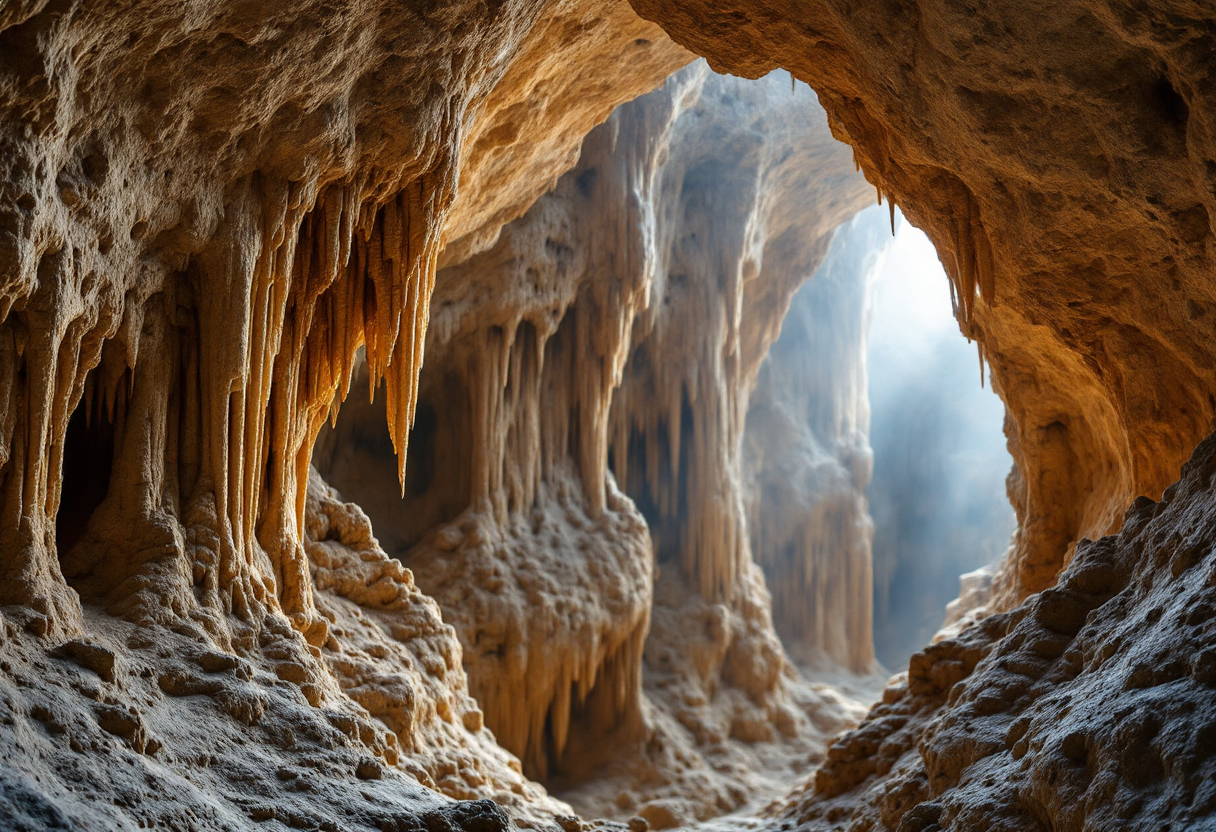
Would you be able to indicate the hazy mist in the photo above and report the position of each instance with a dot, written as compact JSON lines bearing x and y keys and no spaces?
{"x":938,"y":492}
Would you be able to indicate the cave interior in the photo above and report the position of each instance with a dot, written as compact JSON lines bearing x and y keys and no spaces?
{"x":444,"y":416}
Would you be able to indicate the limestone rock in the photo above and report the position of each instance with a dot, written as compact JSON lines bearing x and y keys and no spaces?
{"x":808,"y":459}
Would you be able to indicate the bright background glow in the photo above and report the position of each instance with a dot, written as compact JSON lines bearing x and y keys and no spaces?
{"x":938,"y":494}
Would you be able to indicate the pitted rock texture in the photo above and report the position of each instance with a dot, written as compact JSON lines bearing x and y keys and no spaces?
{"x":213,"y":225}
{"x":213,"y":217}
{"x":1088,"y":707}
{"x":147,"y":726}
{"x":1063,"y":159}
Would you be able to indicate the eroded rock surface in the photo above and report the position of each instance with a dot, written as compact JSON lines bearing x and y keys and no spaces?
{"x":245,"y":230}
{"x":1087,"y":707}
{"x":142,"y":725}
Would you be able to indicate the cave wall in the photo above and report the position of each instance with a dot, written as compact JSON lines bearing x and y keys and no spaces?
{"x":520,"y":533}
{"x":1062,"y":160}
{"x":808,"y":461}
{"x":743,"y":224}
{"x":192,"y":263}
{"x":200,"y":264}
{"x":249,"y":228}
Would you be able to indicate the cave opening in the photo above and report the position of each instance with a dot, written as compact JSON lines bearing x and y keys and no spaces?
{"x":871,"y":440}
{"x":88,"y":462}
{"x":938,"y":494}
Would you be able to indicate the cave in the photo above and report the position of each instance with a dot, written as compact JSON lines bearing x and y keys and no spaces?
{"x":502,"y":428}
{"x":88,"y":462}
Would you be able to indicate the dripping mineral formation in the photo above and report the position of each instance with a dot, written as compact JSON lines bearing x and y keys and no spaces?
{"x":216,"y":218}
{"x":544,"y":396}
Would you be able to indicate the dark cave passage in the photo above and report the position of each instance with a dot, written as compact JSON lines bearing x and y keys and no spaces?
{"x":88,"y":461}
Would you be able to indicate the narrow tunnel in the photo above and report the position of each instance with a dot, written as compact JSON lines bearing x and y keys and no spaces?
{"x":88,"y":462}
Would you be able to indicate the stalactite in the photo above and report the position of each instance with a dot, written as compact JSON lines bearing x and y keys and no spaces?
{"x":536,"y":331}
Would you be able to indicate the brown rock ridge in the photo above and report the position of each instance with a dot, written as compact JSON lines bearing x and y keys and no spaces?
{"x":1063,"y":161}
{"x":1088,"y":707}
{"x":711,"y":199}
{"x":808,"y":460}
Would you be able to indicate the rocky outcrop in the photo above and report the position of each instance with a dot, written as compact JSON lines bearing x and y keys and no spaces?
{"x":140,"y":724}
{"x":809,"y":462}
{"x":1063,"y":162}
{"x":1089,"y":706}
{"x":711,"y":199}
{"x":198,"y":265}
